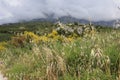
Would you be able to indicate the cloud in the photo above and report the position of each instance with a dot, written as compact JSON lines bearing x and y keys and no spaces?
{"x":16,"y":10}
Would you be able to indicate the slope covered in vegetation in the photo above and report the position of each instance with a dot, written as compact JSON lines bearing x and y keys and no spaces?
{"x":62,"y":52}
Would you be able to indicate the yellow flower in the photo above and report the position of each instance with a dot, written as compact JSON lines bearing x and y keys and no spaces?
{"x":44,"y":38}
{"x":32,"y":36}
{"x":54,"y":32}
{"x":70,"y":39}
{"x":2,"y":45}
{"x":56,"y":38}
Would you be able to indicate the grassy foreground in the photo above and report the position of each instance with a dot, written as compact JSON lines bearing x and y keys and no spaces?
{"x":94,"y":56}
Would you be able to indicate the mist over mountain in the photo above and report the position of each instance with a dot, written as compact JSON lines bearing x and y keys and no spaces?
{"x":12,"y":11}
{"x":69,"y":19}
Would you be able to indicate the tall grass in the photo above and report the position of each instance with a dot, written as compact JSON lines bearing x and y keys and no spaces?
{"x":92,"y":57}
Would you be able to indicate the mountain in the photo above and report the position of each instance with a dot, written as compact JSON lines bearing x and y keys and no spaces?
{"x":69,"y":19}
{"x":105,"y":23}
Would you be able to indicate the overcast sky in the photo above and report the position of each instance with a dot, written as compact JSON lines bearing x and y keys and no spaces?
{"x":16,"y":10}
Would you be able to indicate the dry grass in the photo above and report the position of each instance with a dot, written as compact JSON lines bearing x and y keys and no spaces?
{"x":92,"y":57}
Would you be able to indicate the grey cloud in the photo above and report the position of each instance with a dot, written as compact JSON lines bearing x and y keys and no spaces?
{"x":15,"y":10}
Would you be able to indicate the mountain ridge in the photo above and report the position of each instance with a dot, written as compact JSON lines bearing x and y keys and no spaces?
{"x":69,"y":19}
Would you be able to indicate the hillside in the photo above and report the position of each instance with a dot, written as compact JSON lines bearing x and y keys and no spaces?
{"x":47,"y":51}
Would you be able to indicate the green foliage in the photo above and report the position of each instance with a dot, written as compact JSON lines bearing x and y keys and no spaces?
{"x":9,"y":30}
{"x":93,"y":56}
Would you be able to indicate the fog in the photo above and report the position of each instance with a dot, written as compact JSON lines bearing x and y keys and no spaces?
{"x":95,"y":10}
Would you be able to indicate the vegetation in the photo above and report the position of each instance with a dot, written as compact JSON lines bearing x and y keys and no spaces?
{"x":62,"y":52}
{"x":9,"y":30}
